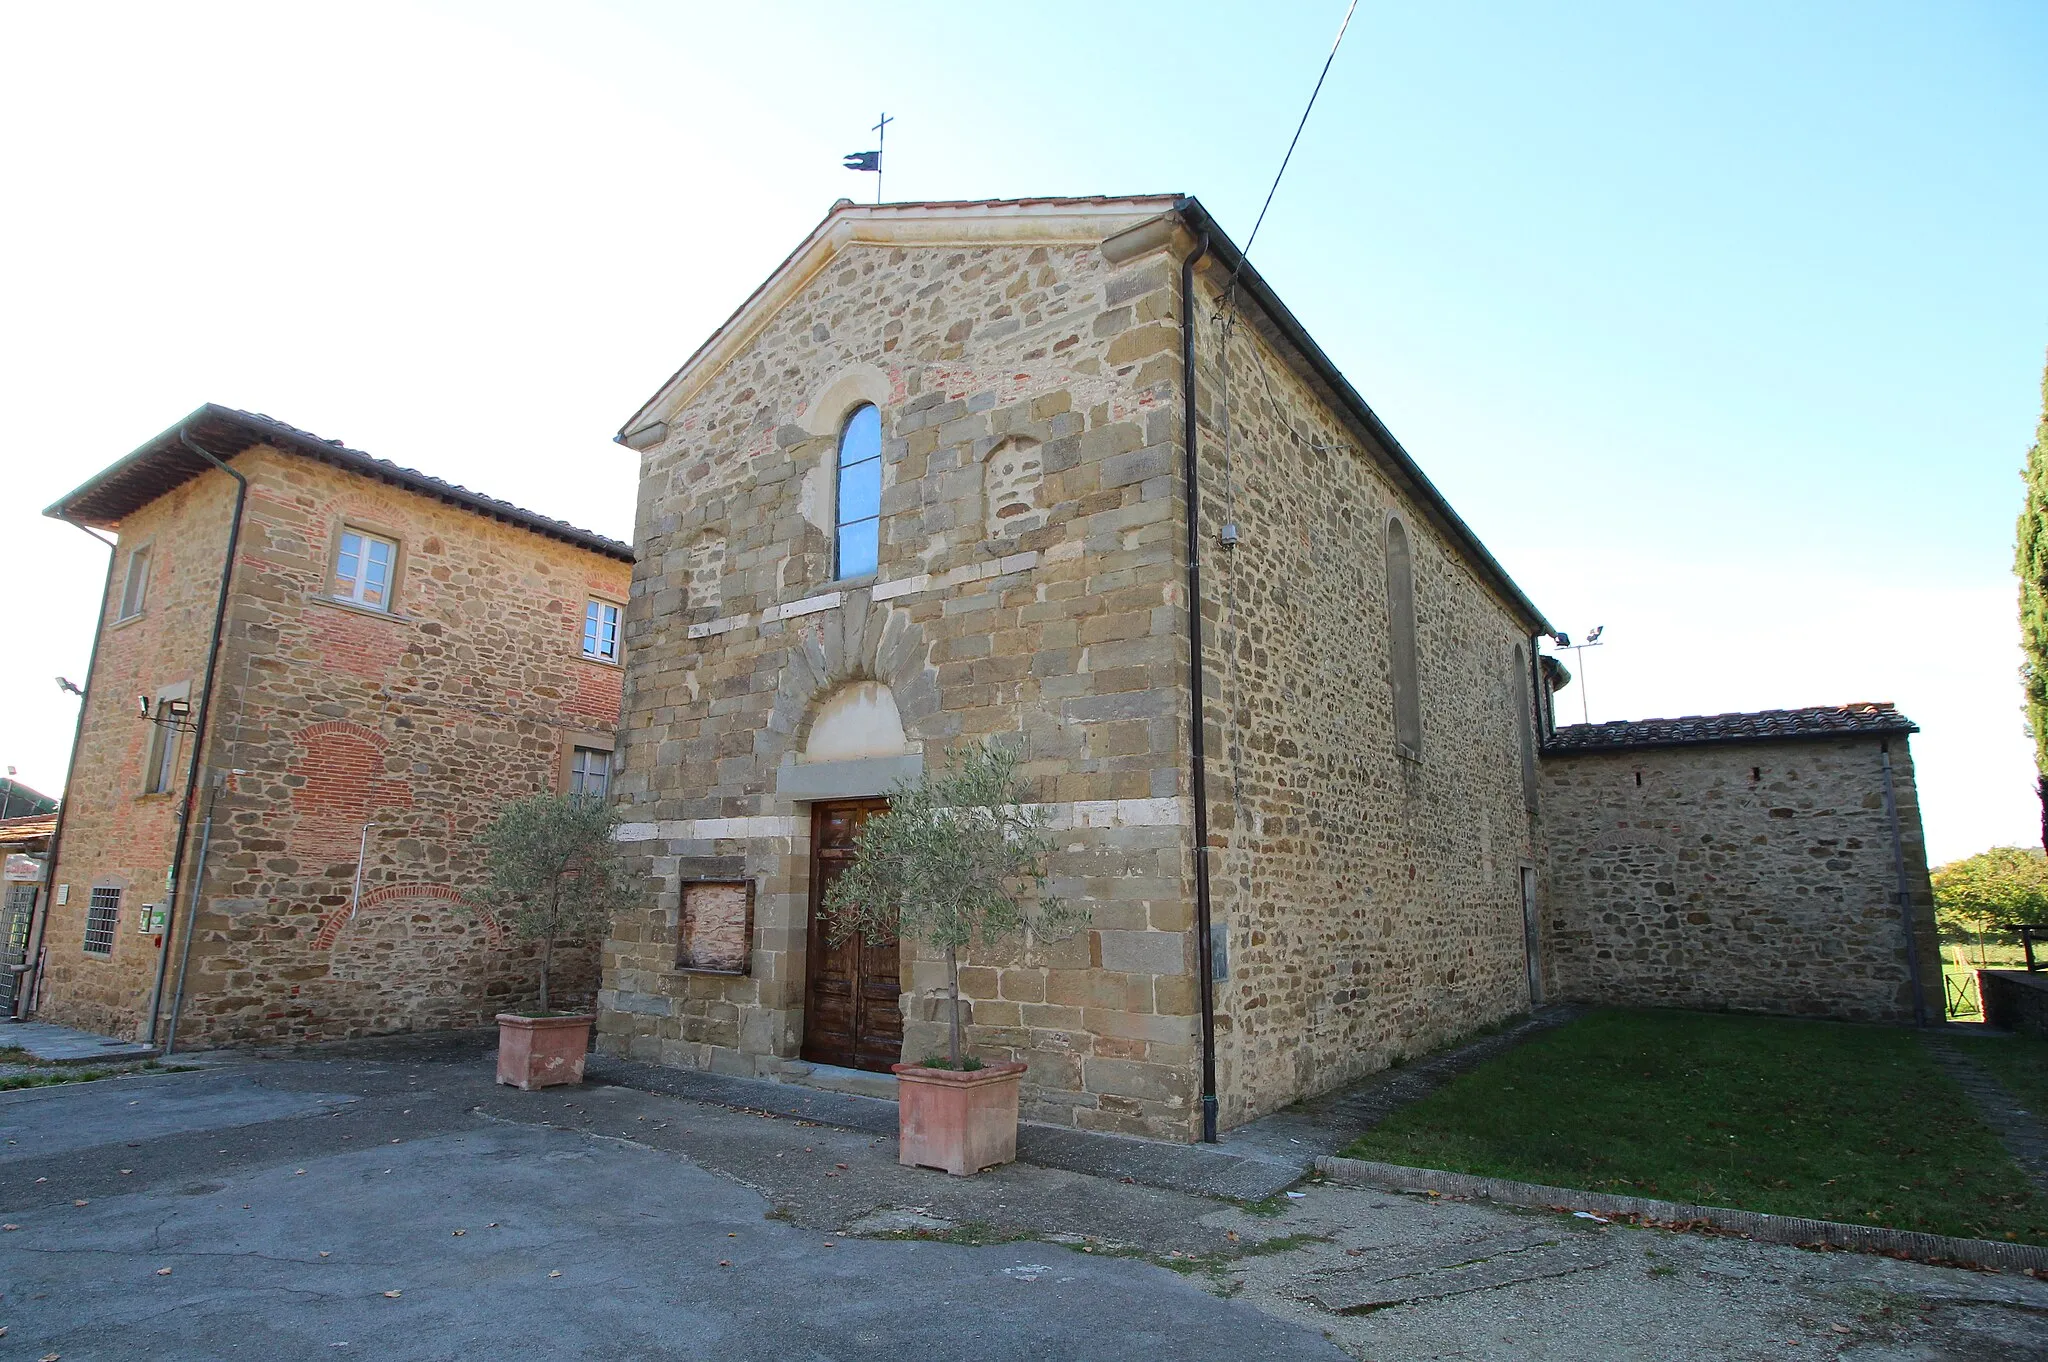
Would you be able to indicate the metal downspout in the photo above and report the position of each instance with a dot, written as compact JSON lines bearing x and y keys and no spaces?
{"x":185,"y":948}
{"x":1891,"y":810}
{"x":192,"y":769}
{"x":32,"y":979}
{"x":1199,"y":778}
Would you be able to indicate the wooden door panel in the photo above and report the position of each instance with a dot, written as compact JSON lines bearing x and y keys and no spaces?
{"x":851,"y":1014}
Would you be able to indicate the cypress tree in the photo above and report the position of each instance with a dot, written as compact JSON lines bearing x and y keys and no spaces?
{"x":2030,"y":561}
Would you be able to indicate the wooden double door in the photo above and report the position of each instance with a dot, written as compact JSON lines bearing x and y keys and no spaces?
{"x":851,"y":1014}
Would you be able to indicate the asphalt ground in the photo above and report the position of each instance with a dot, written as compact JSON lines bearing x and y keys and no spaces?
{"x":289,"y":1197}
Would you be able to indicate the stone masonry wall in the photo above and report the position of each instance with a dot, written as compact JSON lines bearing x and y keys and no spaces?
{"x":1749,"y":877}
{"x":418,"y":722}
{"x":1029,"y":590}
{"x":1372,"y":902}
{"x":115,"y":834}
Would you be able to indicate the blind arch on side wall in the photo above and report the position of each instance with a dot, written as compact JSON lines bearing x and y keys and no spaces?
{"x":1525,"y":727}
{"x":1401,"y":633}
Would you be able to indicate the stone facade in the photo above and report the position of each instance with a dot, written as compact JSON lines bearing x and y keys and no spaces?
{"x":1372,"y":896}
{"x":1756,"y":877}
{"x":417,"y":721}
{"x":1031,"y":590}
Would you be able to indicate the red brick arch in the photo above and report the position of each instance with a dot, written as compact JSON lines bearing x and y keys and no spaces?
{"x":332,"y":924}
{"x":343,"y":786}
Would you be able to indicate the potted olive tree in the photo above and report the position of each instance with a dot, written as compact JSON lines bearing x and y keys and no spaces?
{"x":555,"y":867}
{"x":958,"y":858}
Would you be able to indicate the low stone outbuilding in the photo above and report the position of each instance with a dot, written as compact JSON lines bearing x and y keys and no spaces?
{"x":1759,"y":862}
{"x":397,"y":657}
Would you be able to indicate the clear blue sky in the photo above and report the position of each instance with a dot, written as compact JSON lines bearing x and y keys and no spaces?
{"x":1723,"y":326}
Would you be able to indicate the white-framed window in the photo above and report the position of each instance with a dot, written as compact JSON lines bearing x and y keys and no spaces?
{"x":135,"y":586}
{"x":102,"y":915}
{"x":590,"y":772}
{"x":163,"y":752}
{"x":362,"y":569}
{"x":856,"y":543}
{"x":601,"y":631}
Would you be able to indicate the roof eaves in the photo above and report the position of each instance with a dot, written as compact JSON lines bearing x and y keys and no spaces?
{"x":253,"y":428}
{"x":1394,"y":455}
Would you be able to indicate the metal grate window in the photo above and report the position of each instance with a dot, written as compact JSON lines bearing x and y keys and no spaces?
{"x":100,"y":917}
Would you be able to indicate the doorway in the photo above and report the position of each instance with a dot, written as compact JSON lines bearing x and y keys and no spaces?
{"x":852,"y":1016}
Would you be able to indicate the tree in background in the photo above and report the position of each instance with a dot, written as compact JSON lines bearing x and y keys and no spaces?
{"x":2030,"y":561}
{"x":555,"y":863}
{"x":1976,"y":895}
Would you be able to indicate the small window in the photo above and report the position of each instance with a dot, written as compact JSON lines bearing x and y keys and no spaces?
{"x":163,"y":752}
{"x":362,"y":570}
{"x":135,"y":589}
{"x":590,"y":772}
{"x":101,"y":916}
{"x":1401,"y":628}
{"x":856,"y":546}
{"x":601,"y":631}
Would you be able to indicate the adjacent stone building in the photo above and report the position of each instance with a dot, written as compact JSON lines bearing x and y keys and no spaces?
{"x":1764,"y":862}
{"x":930,"y":486}
{"x":397,"y":657}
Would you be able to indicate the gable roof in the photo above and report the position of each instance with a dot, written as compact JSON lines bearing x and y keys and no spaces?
{"x":1091,"y":220}
{"x":164,"y":463}
{"x":1763,"y":725}
{"x":27,"y":831}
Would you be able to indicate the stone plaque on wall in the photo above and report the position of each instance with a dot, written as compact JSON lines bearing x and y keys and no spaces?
{"x":716,"y":926}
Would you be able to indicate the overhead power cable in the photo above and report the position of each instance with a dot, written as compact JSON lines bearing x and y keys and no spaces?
{"x":1341,"y":29}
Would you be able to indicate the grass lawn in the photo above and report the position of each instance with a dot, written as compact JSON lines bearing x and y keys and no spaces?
{"x":1821,"y":1119}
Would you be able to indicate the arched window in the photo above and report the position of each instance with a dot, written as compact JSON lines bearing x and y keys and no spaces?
{"x":856,"y":540}
{"x":1401,"y":631}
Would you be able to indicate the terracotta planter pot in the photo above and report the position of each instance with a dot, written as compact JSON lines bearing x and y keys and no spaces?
{"x":541,"y":1052}
{"x":957,"y":1122}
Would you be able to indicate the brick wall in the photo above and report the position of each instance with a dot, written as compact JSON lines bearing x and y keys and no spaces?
{"x":418,"y":722}
{"x":1756,"y":877}
{"x":115,"y":834}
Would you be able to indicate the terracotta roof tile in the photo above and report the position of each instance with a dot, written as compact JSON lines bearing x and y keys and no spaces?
{"x":1764,"y":725}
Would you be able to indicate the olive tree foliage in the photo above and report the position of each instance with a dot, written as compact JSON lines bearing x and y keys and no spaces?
{"x":1991,"y":889}
{"x":958,"y":858}
{"x":555,"y":866}
{"x":2030,"y":563}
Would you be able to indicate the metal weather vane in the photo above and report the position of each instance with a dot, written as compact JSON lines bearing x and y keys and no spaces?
{"x":871,"y":160}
